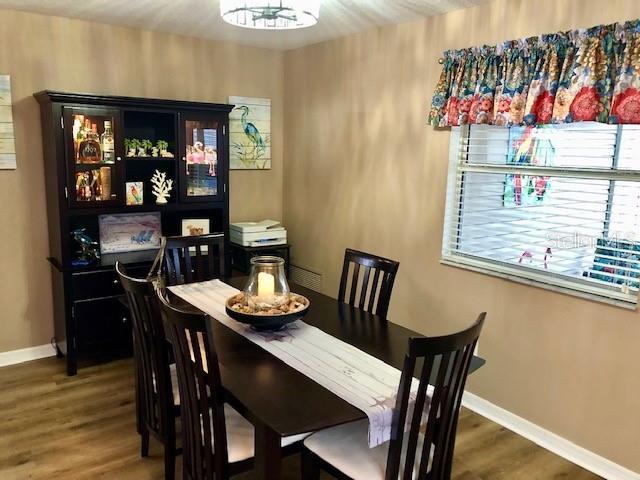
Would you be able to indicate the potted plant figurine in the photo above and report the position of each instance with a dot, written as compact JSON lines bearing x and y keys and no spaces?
{"x":163,"y":145}
{"x":131,"y":146}
{"x":143,"y":147}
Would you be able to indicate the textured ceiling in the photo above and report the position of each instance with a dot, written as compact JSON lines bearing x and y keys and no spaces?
{"x":201,"y":18}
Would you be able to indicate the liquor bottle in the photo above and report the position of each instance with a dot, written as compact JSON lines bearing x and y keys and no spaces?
{"x":89,"y":151}
{"x":106,"y":140}
{"x":105,"y":183}
{"x":78,"y":135}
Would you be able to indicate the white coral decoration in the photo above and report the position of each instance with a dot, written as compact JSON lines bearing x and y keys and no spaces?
{"x":161,"y":186}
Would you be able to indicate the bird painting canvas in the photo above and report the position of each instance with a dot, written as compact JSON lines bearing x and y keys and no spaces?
{"x":250,"y":133}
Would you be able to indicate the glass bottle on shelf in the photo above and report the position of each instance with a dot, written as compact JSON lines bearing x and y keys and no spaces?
{"x":78,"y":135}
{"x":89,"y":150}
{"x":108,"y":145}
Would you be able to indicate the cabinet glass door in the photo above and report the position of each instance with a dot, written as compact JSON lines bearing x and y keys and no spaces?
{"x":93,"y":160}
{"x":199,"y":171}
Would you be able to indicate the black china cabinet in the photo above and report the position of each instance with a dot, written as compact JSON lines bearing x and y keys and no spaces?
{"x":106,"y":158}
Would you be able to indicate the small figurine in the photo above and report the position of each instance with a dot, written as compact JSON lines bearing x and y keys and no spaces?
{"x":161,"y":187}
{"x":211,"y":159}
{"x":143,"y":146}
{"x":89,"y":251}
{"x":162,"y":147}
{"x":197,"y":155}
{"x":131,"y":146}
{"x":154,"y":151}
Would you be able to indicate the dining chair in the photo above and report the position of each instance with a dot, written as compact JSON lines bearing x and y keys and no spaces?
{"x":380,"y":271}
{"x":217,"y":440}
{"x":424,"y":450}
{"x":156,"y":386}
{"x":193,"y":258}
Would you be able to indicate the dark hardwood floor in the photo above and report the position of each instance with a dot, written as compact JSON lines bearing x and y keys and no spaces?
{"x":83,"y":427}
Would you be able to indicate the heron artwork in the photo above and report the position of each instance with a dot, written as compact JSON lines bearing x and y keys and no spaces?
{"x":250,"y":135}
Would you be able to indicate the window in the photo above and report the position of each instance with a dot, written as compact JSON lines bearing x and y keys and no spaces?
{"x":553,"y":205}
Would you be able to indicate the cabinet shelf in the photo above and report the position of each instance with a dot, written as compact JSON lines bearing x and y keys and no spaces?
{"x":150,"y":159}
{"x":151,"y":207}
{"x":83,"y":167}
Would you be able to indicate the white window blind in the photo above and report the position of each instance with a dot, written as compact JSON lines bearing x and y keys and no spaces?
{"x":557,"y":205}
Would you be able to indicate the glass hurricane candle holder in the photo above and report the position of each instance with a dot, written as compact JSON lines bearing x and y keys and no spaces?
{"x":267,"y":286}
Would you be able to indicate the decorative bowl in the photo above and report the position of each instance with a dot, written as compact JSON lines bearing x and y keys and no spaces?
{"x":271,"y":319}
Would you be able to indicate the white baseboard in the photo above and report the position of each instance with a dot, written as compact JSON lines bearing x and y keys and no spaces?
{"x":25,"y":354}
{"x":548,"y":440}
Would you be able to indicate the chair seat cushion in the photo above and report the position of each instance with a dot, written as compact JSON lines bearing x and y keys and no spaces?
{"x":346,"y":448}
{"x":241,"y":436}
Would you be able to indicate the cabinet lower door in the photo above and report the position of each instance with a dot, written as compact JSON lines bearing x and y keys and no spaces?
{"x":103,"y":328}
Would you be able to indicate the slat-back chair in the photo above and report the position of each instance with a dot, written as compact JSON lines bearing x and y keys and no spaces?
{"x":204,"y":429}
{"x":157,"y":410}
{"x":424,"y":451}
{"x":373,"y":275}
{"x":193,"y":258}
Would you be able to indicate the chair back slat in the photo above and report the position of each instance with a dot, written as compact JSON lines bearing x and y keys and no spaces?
{"x":151,"y":354}
{"x":365,"y":286}
{"x":384,"y":272}
{"x":201,"y":393}
{"x":193,"y":258}
{"x":414,"y":429}
{"x":427,"y":452}
{"x":374,"y":291}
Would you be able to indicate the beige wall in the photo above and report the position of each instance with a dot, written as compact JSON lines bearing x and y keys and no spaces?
{"x":363,"y":170}
{"x":42,"y":52}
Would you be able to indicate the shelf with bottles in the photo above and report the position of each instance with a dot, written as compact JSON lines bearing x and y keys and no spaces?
{"x":94,"y":184}
{"x":149,"y":134}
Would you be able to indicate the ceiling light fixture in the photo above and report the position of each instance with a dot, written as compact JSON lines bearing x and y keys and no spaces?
{"x":270,"y":14}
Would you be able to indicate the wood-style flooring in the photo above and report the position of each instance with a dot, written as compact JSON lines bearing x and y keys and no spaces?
{"x":83,"y":427}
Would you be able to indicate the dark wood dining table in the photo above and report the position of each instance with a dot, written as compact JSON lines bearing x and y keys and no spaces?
{"x":280,"y":401}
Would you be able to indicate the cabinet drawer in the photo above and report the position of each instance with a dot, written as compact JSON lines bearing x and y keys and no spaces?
{"x":100,"y":284}
{"x":95,"y":284}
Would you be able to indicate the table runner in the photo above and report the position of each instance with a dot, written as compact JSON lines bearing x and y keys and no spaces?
{"x":364,"y":381}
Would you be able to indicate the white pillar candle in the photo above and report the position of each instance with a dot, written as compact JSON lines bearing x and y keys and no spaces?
{"x":266,"y":286}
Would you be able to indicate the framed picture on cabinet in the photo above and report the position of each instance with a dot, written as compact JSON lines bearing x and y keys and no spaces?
{"x":135,"y":193}
{"x":195,"y":226}
{"x":192,"y":227}
{"x":129,"y":232}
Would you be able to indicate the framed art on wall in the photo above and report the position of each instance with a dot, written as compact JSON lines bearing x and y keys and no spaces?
{"x":129,"y":232}
{"x":7,"y":142}
{"x":250,"y":133}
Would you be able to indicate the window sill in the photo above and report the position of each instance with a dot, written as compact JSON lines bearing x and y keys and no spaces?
{"x":477,"y":267}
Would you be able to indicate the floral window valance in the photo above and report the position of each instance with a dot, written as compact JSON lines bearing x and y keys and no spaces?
{"x":580,"y":75}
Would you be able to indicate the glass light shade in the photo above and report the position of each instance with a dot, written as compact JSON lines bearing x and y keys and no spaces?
{"x":270,"y":14}
{"x":267,"y":286}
